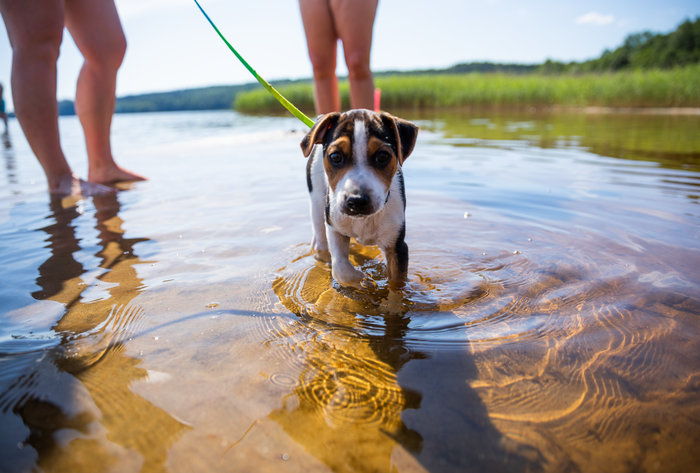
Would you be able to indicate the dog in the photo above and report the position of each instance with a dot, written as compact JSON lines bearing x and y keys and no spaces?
{"x":357,"y":190}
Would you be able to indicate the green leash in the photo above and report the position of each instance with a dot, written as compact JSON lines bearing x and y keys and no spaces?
{"x":286,"y":103}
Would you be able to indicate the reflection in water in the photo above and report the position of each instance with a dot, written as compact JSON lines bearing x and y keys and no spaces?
{"x":9,"y":154}
{"x":362,"y":390}
{"x":669,"y":140}
{"x":74,"y":399}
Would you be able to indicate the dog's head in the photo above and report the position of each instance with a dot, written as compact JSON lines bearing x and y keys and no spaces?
{"x":361,"y":152}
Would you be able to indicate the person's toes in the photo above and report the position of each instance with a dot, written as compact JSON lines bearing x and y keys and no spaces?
{"x":115,"y":175}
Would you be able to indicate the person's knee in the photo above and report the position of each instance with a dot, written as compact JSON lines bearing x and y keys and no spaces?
{"x":39,"y":43}
{"x":118,"y":50}
{"x":115,"y":50}
{"x":358,"y":65}
{"x":323,"y":65}
{"x":107,"y":52}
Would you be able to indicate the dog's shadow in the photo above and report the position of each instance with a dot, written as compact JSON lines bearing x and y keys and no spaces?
{"x":366,"y":388}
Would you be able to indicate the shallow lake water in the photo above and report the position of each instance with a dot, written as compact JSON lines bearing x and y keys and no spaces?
{"x":551,"y":321}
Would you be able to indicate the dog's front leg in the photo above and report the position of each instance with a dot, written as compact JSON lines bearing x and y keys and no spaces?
{"x":397,"y":262}
{"x":342,"y":270}
{"x":319,"y":243}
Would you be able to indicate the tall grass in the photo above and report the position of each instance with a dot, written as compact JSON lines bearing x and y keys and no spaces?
{"x":678,"y":87}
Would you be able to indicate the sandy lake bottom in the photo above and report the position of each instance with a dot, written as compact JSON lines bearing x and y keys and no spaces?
{"x":551,"y":321}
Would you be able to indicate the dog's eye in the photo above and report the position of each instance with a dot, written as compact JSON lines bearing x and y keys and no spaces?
{"x":381,"y":159}
{"x":336,"y":158}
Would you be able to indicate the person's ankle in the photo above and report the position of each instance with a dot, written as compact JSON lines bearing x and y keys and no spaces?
{"x":72,"y":185}
{"x":57,"y":182}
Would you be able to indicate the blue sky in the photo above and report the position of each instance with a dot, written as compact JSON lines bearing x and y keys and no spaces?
{"x":172,"y":47}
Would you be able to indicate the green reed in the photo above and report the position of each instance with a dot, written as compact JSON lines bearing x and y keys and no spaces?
{"x":640,"y":88}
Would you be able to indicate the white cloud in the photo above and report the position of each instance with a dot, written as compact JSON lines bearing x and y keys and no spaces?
{"x":595,"y":18}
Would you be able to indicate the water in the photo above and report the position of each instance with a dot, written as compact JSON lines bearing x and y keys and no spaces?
{"x":550,"y":321}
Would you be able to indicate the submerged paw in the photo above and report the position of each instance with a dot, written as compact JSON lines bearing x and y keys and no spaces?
{"x":322,"y":255}
{"x":349,"y":277}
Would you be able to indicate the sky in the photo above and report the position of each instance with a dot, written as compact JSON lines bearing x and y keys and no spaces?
{"x":172,"y":47}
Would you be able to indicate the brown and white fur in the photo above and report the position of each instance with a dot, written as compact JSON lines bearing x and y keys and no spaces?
{"x":356,"y":189}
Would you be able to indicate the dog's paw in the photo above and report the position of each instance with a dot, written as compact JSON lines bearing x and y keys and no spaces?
{"x":322,"y":255}
{"x":348,"y":276}
{"x":369,"y":284}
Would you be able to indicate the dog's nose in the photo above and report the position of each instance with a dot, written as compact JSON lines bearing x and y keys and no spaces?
{"x":358,"y":204}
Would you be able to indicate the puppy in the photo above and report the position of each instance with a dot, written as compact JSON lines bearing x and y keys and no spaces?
{"x":357,"y":190}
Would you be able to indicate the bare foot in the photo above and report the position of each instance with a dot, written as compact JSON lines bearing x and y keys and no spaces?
{"x":76,"y":187}
{"x":112,"y":175}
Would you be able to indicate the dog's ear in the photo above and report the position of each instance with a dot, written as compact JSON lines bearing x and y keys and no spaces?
{"x":318,"y":132}
{"x":408,"y":132}
{"x":404,"y":131}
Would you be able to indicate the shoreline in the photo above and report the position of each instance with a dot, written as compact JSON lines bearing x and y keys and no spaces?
{"x":598,"y":110}
{"x":588,"y":110}
{"x":584,"y":110}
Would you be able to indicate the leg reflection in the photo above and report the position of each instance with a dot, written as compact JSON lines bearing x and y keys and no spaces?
{"x":73,"y":400}
{"x":8,"y":154}
{"x":61,"y":269}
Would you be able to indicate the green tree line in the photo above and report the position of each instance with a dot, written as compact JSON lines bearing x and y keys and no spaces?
{"x":207,"y":98}
{"x":645,"y":50}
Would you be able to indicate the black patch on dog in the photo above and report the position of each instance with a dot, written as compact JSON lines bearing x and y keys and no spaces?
{"x":382,"y":132}
{"x":406,"y":131}
{"x":328,"y":209}
{"x":401,"y":249}
{"x":402,"y":187}
{"x":308,"y":173}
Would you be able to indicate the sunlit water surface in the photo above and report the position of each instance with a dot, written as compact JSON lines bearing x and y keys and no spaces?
{"x":551,"y":321}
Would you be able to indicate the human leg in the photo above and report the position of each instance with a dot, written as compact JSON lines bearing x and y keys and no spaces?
{"x":35,"y":29}
{"x":97,"y":32}
{"x":354,"y":20}
{"x":322,"y":43}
